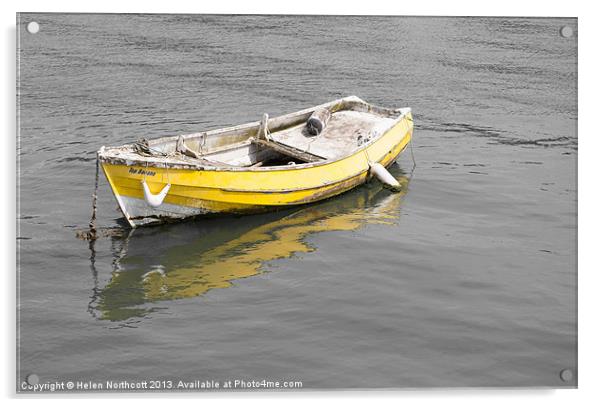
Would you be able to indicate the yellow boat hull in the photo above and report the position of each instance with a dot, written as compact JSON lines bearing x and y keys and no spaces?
{"x":195,"y":192}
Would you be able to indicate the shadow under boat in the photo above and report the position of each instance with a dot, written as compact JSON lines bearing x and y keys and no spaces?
{"x":176,"y":261}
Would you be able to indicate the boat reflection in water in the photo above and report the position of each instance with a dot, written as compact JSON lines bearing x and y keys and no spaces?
{"x":189,"y":259}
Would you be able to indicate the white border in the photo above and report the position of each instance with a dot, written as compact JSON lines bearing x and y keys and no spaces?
{"x":589,"y":196}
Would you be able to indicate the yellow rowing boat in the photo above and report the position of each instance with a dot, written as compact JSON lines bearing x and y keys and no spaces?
{"x":297,"y":158}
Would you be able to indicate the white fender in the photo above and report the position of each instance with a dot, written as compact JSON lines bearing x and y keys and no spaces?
{"x":384,"y":176}
{"x":154,"y":200}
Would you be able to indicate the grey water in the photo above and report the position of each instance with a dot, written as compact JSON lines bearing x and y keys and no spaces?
{"x":466,"y":278}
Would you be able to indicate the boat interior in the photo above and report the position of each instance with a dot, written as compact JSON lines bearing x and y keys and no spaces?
{"x":279,"y":141}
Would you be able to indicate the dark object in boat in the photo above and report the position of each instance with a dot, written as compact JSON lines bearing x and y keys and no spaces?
{"x":317,"y":121}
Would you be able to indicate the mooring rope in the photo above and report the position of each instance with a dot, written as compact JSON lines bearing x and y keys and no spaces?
{"x":412,"y":147}
{"x":94,"y":199}
{"x":91,"y":233}
{"x":412,"y":153}
{"x":367,"y":156}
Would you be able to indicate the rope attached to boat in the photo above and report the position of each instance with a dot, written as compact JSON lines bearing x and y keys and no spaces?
{"x":91,"y":233}
{"x":412,"y":147}
{"x":95,"y":198}
{"x":412,"y":154}
{"x":143,"y":148}
{"x":380,"y":172}
{"x":94,"y":201}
